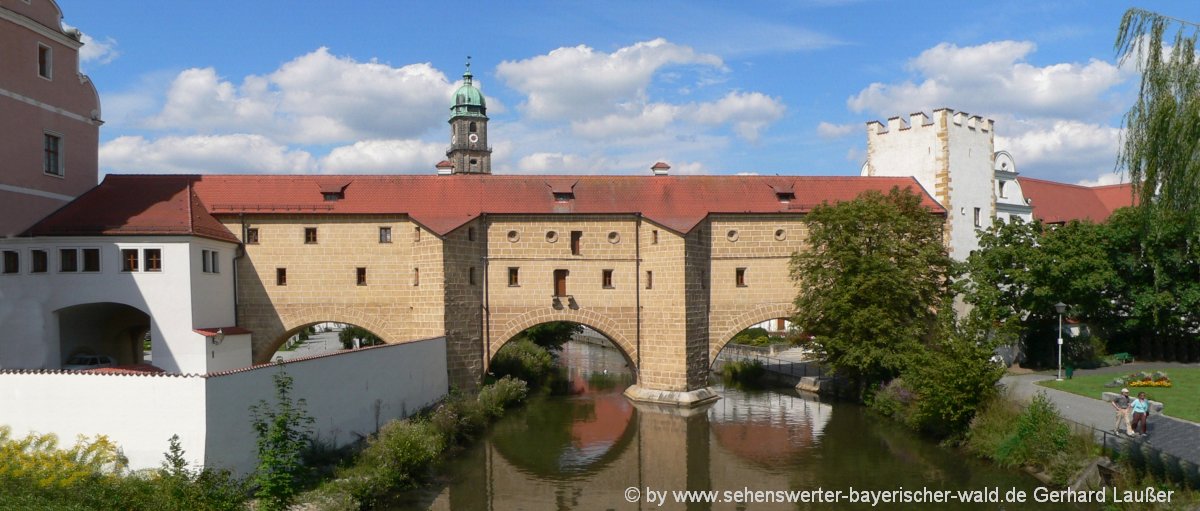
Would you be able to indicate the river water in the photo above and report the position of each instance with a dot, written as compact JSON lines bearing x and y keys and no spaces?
{"x":595,"y":450}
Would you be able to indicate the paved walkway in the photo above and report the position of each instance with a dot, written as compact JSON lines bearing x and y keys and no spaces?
{"x":1173,"y":436}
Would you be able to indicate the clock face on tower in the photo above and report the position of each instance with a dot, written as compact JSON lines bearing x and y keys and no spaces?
{"x":473,"y":138}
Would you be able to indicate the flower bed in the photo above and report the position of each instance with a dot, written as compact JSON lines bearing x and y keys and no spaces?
{"x":1143,"y":379}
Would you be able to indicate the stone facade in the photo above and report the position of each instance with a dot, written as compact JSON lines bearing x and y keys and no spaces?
{"x":670,"y":301}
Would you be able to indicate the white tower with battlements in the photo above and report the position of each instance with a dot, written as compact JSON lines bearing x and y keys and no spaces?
{"x":951,"y":154}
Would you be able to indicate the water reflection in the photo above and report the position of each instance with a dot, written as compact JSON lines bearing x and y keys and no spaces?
{"x":583,"y":451}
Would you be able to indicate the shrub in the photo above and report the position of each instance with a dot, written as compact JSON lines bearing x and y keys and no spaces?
{"x":892,"y":400}
{"x":752,"y":337}
{"x":396,"y":459}
{"x":992,"y":427}
{"x":951,"y":379}
{"x":1040,"y":433}
{"x":284,"y":430}
{"x":506,"y":392}
{"x":525,"y":360}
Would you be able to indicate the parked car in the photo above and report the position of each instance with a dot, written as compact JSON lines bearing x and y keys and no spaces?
{"x":85,"y":362}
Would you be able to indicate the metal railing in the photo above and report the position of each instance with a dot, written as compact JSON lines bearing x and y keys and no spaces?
{"x":1153,"y":459}
{"x":772,"y":364}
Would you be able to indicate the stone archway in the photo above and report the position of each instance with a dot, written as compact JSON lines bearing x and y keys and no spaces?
{"x":758,"y":314}
{"x":590,"y":319}
{"x":267,"y":343}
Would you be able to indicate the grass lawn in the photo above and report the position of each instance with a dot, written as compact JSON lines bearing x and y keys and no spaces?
{"x":1181,"y":400}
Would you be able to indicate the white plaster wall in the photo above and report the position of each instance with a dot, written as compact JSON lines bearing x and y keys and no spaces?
{"x":904,"y":152}
{"x":233,"y":353}
{"x":341,"y":391}
{"x":139,"y":413}
{"x":212,"y":293}
{"x":972,"y":177}
{"x":28,"y":301}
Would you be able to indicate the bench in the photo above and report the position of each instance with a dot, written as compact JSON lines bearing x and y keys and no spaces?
{"x":1123,"y":358}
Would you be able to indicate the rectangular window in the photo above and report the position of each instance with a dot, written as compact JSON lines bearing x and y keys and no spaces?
{"x":514,"y":277}
{"x":68,"y":259}
{"x":129,"y":259}
{"x":560,"y":282}
{"x":215,"y":266}
{"x":385,"y":234}
{"x":310,"y":235}
{"x":360,"y":275}
{"x":153,"y":257}
{"x":470,"y":234}
{"x":576,"y":240}
{"x":91,"y":259}
{"x":740,"y":277}
{"x":252,"y":236}
{"x":416,"y":234}
{"x":52,"y":154}
{"x":471,"y":275}
{"x":204,"y":259}
{"x":1002,"y":194}
{"x":416,"y":276}
{"x":978,"y":220}
{"x":45,"y":62}
{"x":12,"y":262}
{"x":654,"y":237}
{"x":280,"y":276}
{"x":606,"y":279}
{"x":649,"y":279}
{"x":41,"y":261}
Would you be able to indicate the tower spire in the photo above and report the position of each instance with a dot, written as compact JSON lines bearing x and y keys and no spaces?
{"x":467,"y":74}
{"x":469,"y":151}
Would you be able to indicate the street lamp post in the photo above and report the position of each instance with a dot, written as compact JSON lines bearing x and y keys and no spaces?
{"x":1061,"y":308}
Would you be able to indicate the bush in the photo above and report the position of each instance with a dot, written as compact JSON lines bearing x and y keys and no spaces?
{"x":744,"y":372}
{"x":951,"y":380}
{"x":397,"y":458}
{"x":525,"y":360}
{"x":506,"y":392}
{"x":284,"y":431}
{"x":893,"y":400}
{"x":1039,"y":434}
{"x":752,"y":337}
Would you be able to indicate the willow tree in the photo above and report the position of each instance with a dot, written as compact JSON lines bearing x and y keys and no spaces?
{"x":1161,"y":147}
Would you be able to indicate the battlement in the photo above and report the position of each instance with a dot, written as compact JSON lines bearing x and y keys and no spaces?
{"x":941,"y":116}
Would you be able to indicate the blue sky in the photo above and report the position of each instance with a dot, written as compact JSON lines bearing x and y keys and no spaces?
{"x":597,"y":87}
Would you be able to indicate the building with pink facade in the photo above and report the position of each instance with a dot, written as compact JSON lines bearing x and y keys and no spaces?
{"x":49,"y":115}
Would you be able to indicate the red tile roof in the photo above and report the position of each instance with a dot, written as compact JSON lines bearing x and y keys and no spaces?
{"x":227,"y":330}
{"x":1060,"y":202}
{"x":135,"y":205}
{"x":172,"y":204}
{"x":127,"y":369}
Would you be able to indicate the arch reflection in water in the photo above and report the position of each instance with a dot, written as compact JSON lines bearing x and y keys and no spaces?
{"x":576,"y":434}
{"x":768,"y":428}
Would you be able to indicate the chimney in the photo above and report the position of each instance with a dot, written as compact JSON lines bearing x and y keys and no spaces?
{"x":445,"y":168}
{"x":660,"y":168}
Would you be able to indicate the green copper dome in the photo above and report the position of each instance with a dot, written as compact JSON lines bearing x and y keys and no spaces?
{"x":468,"y":101}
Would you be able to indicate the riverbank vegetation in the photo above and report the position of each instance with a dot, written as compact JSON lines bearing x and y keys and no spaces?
{"x":744,"y":373}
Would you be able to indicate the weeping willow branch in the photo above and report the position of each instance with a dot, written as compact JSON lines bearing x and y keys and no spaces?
{"x":1161,"y":146}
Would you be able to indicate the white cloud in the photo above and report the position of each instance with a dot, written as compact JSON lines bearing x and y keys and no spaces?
{"x":748,"y":112}
{"x":93,"y":50}
{"x":994,"y":77}
{"x":554,"y":163}
{"x":651,"y":119}
{"x":203,"y":154}
{"x":380,"y":156}
{"x":829,"y":130}
{"x":315,"y":98}
{"x":1109,"y":178}
{"x":571,"y":83}
{"x":1062,"y":150}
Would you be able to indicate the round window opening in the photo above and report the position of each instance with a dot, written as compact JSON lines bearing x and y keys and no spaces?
{"x":732,"y":235}
{"x":551,"y":236}
{"x":780,"y":234}
{"x":513,"y":236}
{"x":614,"y":237}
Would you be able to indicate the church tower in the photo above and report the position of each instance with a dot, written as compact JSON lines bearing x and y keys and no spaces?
{"x":469,"y":152}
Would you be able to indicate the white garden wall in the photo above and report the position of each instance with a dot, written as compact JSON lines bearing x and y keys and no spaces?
{"x":349,"y":394}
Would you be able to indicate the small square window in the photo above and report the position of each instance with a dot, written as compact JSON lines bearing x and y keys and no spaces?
{"x":91,"y":259}
{"x":153,"y":257}
{"x":606,"y":279}
{"x":514,"y":277}
{"x":654,"y":237}
{"x":649,"y":279}
{"x":1002,"y":194}
{"x":416,"y":233}
{"x":416,"y":277}
{"x":216,"y":259}
{"x":360,"y":275}
{"x":41,"y":261}
{"x":310,"y":235}
{"x":129,"y":259}
{"x":204,"y":262}
{"x":471,"y":275}
{"x":45,"y":62}
{"x":68,"y":260}
{"x":252,"y":236}
{"x":740,"y":277}
{"x":385,"y":234}
{"x":470,"y":234}
{"x":52,"y":154}
{"x":12,"y":262}
{"x":978,"y":218}
{"x":280,"y":276}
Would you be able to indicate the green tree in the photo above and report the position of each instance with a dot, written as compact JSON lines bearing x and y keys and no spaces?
{"x":284,"y":431}
{"x":552,"y":335}
{"x":364,"y":336}
{"x":874,"y":275}
{"x":1161,"y":148}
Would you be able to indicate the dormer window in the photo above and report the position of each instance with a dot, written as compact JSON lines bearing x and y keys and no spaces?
{"x":333,"y":196}
{"x":563,"y":191}
{"x":333,"y":190}
{"x":785,"y":197}
{"x":563,"y":196}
